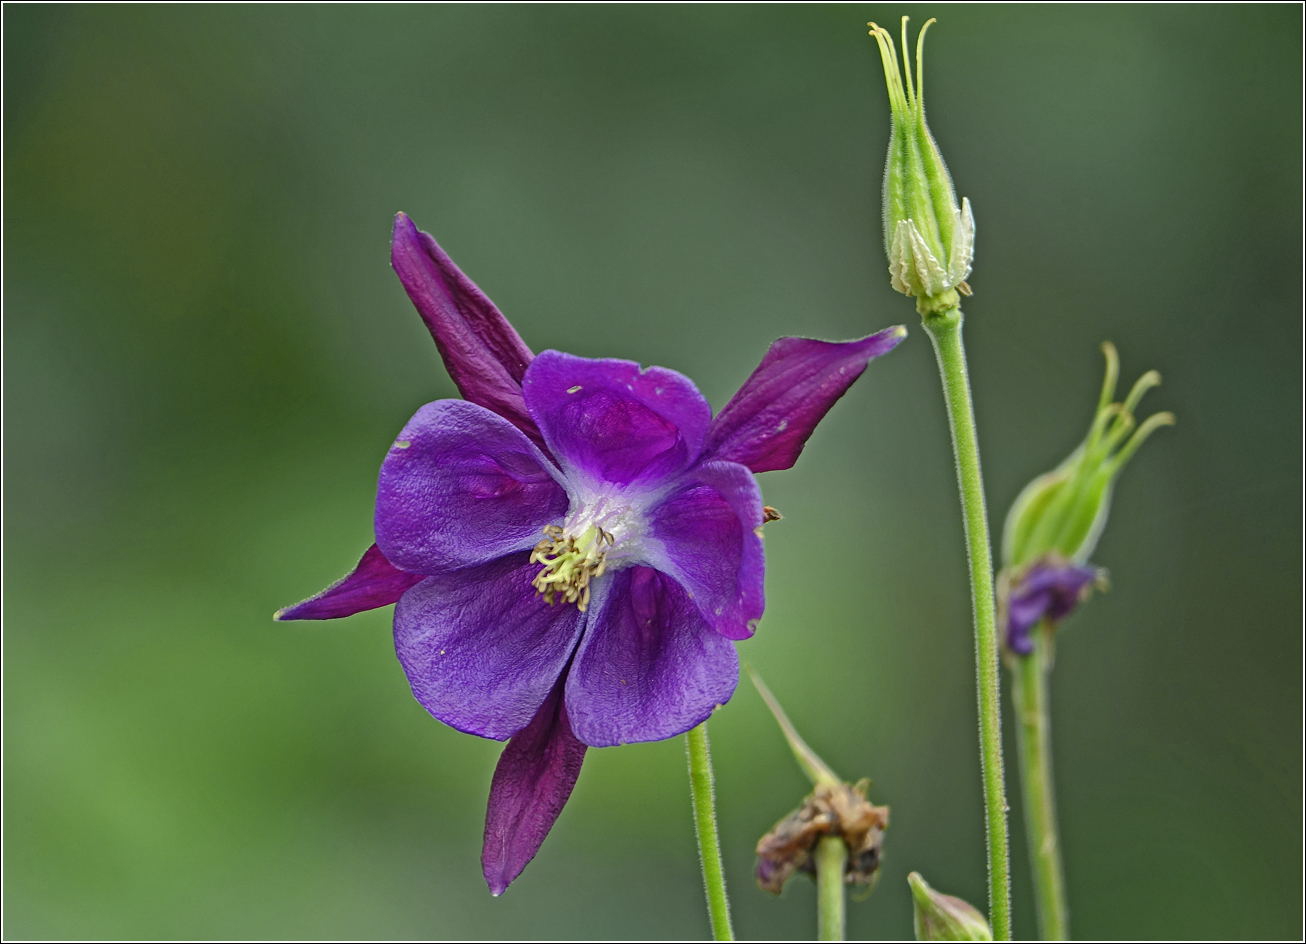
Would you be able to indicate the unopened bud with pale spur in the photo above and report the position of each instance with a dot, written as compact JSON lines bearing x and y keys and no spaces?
{"x":929,"y":238}
{"x":940,"y":917}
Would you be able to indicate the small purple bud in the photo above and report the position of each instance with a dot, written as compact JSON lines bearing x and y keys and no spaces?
{"x":1047,"y":590}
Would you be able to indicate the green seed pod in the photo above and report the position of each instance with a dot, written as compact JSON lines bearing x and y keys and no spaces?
{"x":1062,"y":513}
{"x":929,"y":239}
{"x":942,"y":917}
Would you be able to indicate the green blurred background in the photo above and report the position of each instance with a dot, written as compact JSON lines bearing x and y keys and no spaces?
{"x":206,"y":355}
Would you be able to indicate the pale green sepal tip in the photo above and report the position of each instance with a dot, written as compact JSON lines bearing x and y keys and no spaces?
{"x":1064,"y":512}
{"x":939,"y":917}
{"x":1029,"y":506}
{"x":817,"y":770}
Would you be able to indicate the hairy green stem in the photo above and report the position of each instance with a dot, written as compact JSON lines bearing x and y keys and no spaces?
{"x":709,"y":846}
{"x":831,"y":863}
{"x":1034,"y":735}
{"x":945,"y":332}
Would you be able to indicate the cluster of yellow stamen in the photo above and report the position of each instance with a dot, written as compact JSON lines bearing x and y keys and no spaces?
{"x":570,"y":563}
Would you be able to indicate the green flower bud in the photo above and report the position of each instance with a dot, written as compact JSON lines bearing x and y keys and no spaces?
{"x":930,"y":241}
{"x":942,"y":917}
{"x":1061,"y":514}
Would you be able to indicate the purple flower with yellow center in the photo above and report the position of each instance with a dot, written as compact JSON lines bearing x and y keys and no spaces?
{"x":574,"y":546}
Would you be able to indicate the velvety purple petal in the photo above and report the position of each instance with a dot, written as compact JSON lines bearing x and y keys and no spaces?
{"x":1068,"y":586}
{"x":765,"y":424}
{"x":536,"y":773}
{"x":1048,"y":590}
{"x":613,"y":421}
{"x":1023,"y":614}
{"x":374,"y":582}
{"x":462,"y":486}
{"x":708,"y":536}
{"x":481,"y":350}
{"x":649,"y":666}
{"x":481,"y":649}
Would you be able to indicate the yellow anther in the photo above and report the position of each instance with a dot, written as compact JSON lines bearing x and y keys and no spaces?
{"x":570,"y":563}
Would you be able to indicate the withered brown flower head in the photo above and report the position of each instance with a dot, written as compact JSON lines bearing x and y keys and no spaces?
{"x":830,"y":810}
{"x":833,"y":808}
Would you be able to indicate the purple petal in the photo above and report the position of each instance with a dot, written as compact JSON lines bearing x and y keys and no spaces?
{"x":708,"y":536}
{"x":480,"y":648}
{"x":649,"y":666}
{"x":1023,"y":614}
{"x":765,"y":424}
{"x":531,"y":785}
{"x":482,"y":352}
{"x":1047,"y":590}
{"x":462,"y":486}
{"x":374,"y":582}
{"x":611,"y":421}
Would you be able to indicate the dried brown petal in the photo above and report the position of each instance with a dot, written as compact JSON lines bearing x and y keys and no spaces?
{"x":830,"y":810}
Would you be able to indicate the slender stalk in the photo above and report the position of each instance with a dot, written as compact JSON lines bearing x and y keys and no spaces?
{"x":945,"y":332}
{"x":709,"y":846}
{"x":1034,"y":735}
{"x":831,"y":863}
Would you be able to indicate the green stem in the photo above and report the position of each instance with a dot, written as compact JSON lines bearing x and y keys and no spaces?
{"x":709,"y":846}
{"x":1034,"y":735}
{"x":945,"y":332}
{"x":831,"y":863}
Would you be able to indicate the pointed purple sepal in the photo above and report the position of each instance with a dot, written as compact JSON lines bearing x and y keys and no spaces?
{"x":765,"y":424}
{"x":482,"y":352}
{"x":535,"y":776}
{"x":374,"y":582}
{"x":1047,"y":590}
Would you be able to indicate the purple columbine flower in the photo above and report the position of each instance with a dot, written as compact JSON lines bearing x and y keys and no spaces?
{"x":1048,"y":589}
{"x":575,"y":545}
